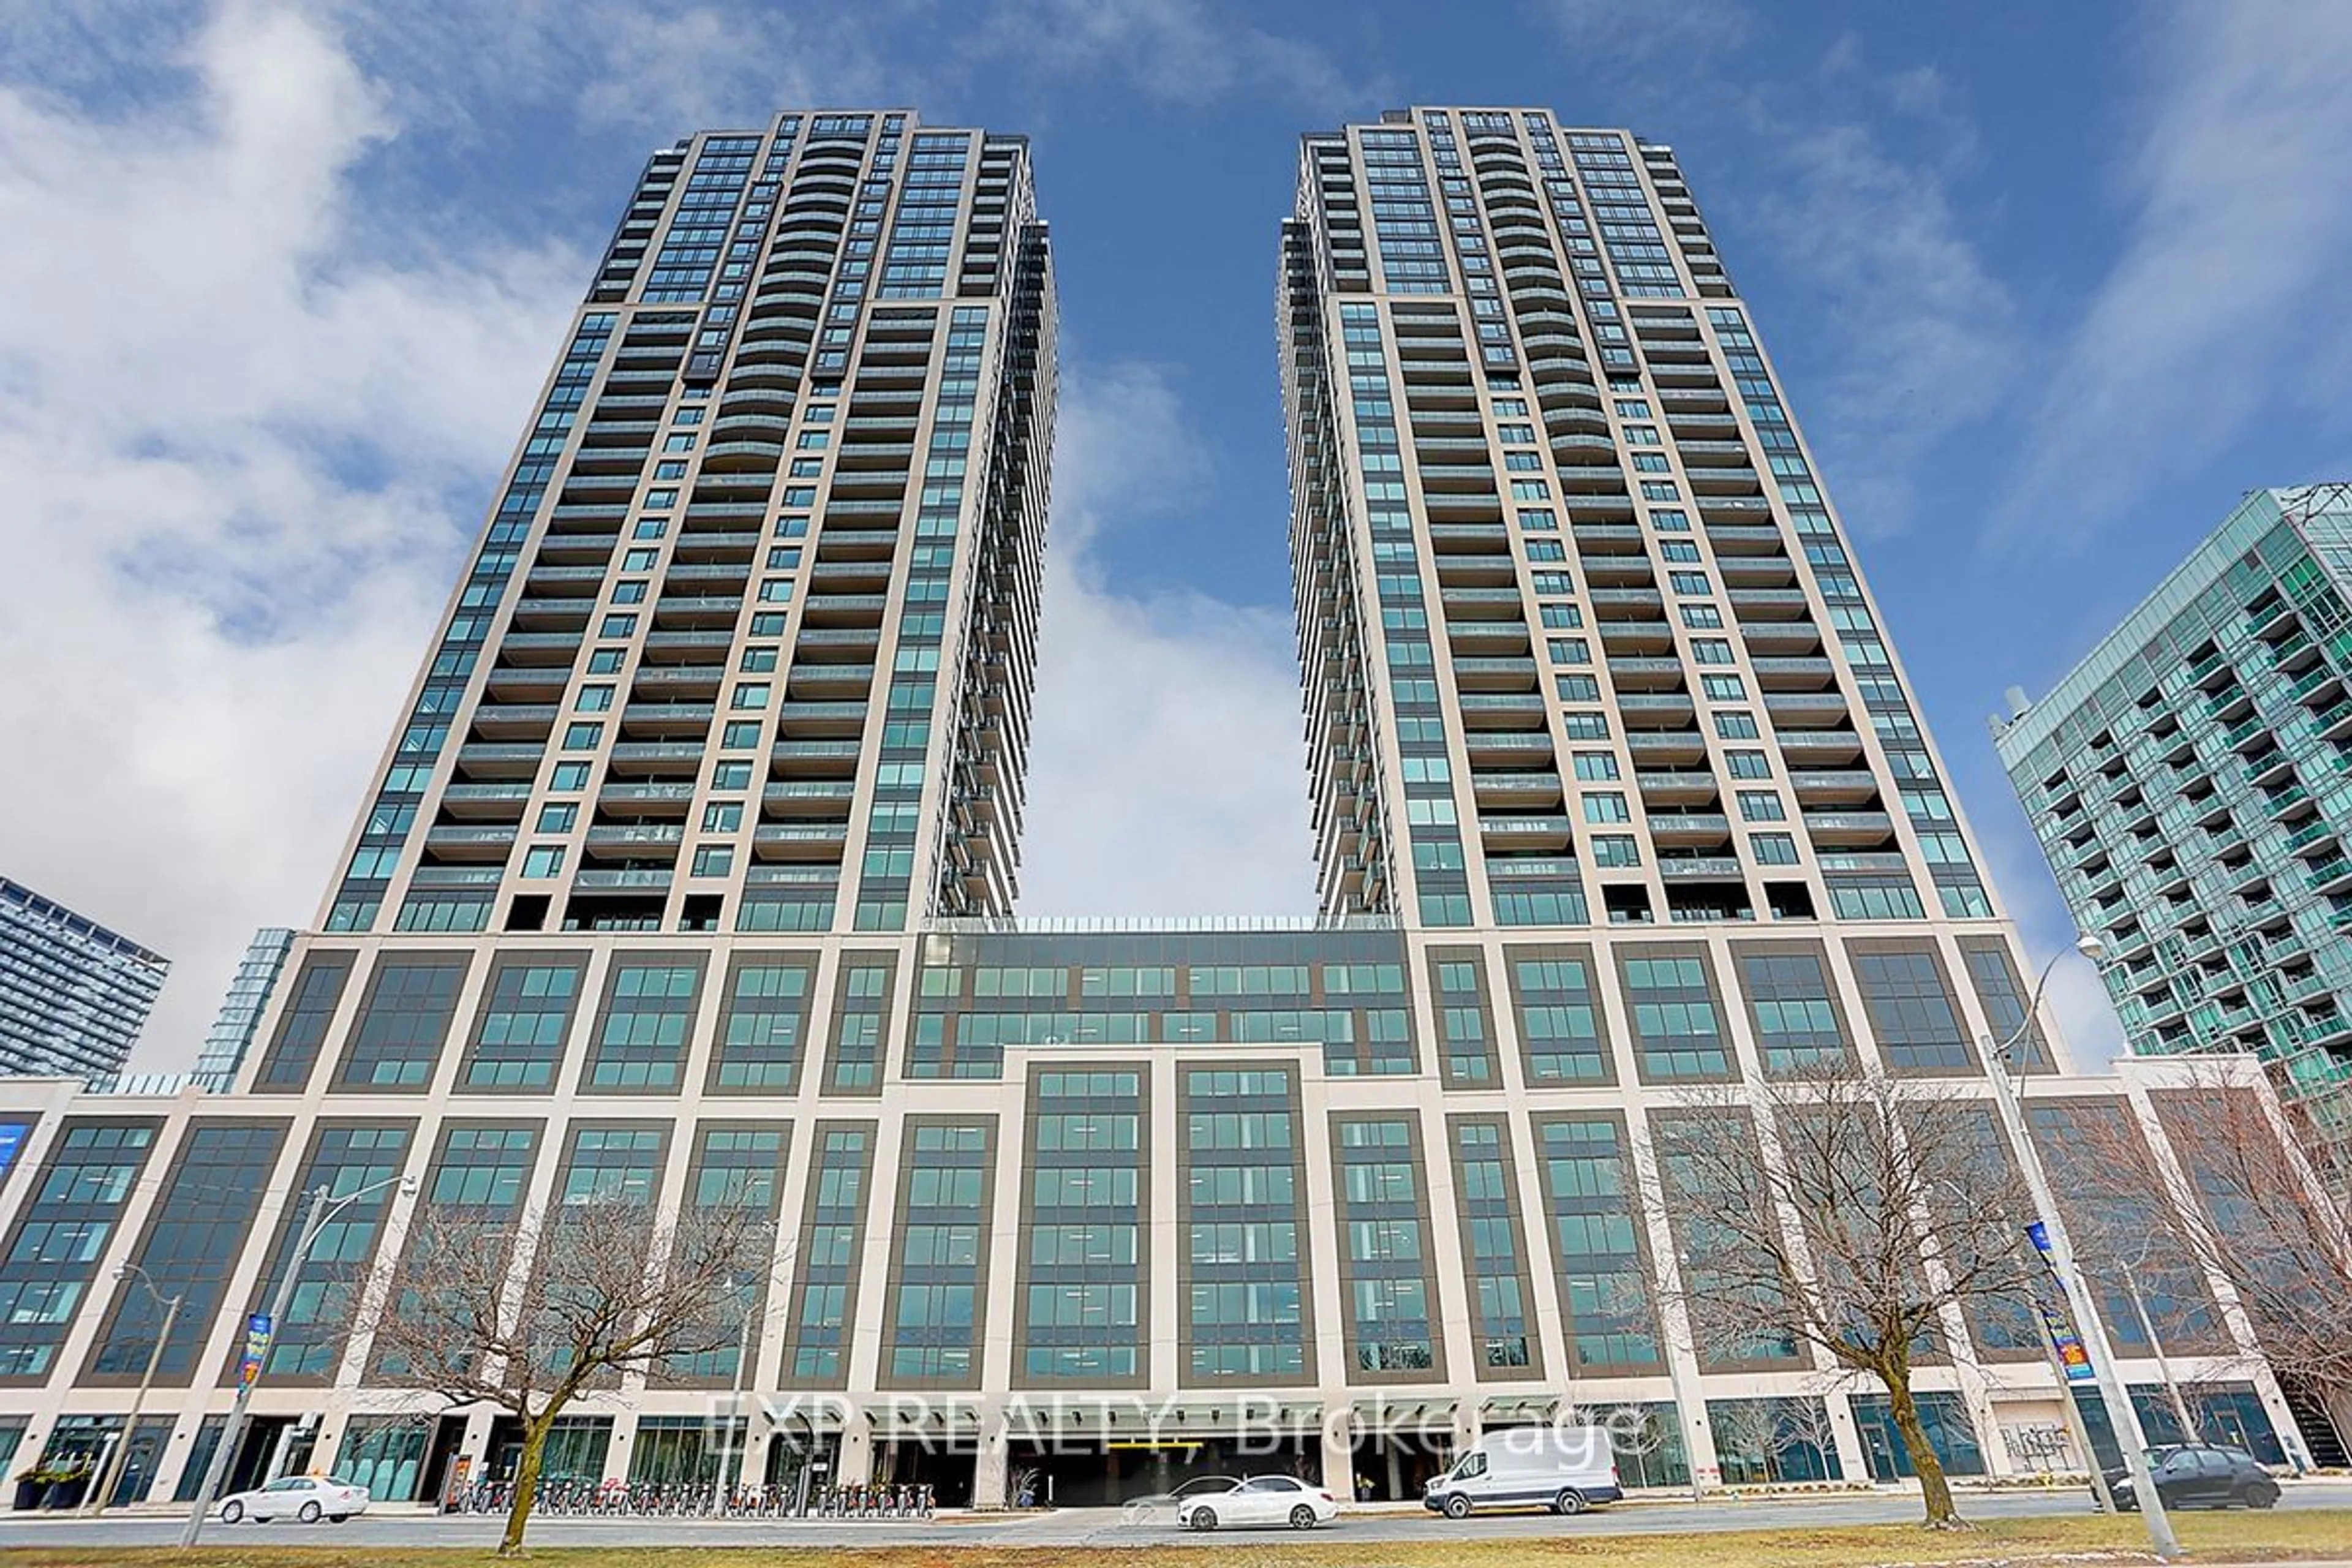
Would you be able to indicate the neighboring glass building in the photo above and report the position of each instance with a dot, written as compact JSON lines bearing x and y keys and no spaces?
{"x":2191,"y":785}
{"x":250,"y":991}
{"x":690,"y":870}
{"x":73,"y":994}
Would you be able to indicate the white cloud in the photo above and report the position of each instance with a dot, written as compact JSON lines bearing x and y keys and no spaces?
{"x":1167,"y":771}
{"x":1681,"y":28}
{"x":1838,"y":188}
{"x":664,"y":70}
{"x":1925,"y":335}
{"x":1185,"y":52}
{"x":244,"y":454}
{"x":2221,"y":306}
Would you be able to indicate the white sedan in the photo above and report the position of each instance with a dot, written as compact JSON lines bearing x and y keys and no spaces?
{"x":306,"y":1497}
{"x":1261,"y":1499}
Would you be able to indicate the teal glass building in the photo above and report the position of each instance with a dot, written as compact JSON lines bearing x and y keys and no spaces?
{"x":2190,"y":781}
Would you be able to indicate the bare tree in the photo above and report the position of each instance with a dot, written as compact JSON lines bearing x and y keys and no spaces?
{"x":1886,"y":1206}
{"x":2245,"y":1198}
{"x":606,"y":1293}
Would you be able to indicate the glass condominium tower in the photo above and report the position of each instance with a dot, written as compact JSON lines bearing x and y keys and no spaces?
{"x":748,"y":642}
{"x":1583,"y":641}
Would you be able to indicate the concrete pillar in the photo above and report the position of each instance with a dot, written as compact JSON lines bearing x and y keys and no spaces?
{"x":1339,"y":1452}
{"x":1851,"y":1458}
{"x":992,"y":1468}
{"x":857,"y":1462}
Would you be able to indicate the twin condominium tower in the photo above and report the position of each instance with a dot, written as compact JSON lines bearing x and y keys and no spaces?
{"x":688,"y":877}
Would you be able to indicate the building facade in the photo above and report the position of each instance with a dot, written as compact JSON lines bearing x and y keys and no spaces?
{"x":689,"y":876}
{"x":231,"y":1037}
{"x":2190,"y":781}
{"x":73,"y":994}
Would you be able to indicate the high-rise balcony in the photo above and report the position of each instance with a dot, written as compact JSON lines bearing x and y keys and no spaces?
{"x":664,"y":681}
{"x":645,"y":797}
{"x":1778,"y":639}
{"x":469,"y":842}
{"x":1806,"y":710}
{"x":1689,"y":828}
{"x":1621,"y":604}
{"x":1765,"y":604}
{"x":1462,"y":538}
{"x":527,"y":682}
{"x":1487,"y":636}
{"x":1610,"y":538}
{"x":808,"y":797}
{"x":1635,"y":636}
{"x":1652,"y":747}
{"x":1516,"y":789}
{"x":1818,"y":748}
{"x":501,"y":800}
{"x":831,"y":574}
{"x":1536,"y":832}
{"x":804,"y":718}
{"x":733,"y":547}
{"x":546,"y":615}
{"x":800,"y":840}
{"x":1618,"y":572}
{"x":633,"y":838}
{"x":1504,"y":710}
{"x":1676,"y":788}
{"x":802,"y":756}
{"x":1860,"y":829}
{"x":499,"y":759}
{"x":1700,"y":868}
{"x":1596,"y":477}
{"x":645,"y":720}
{"x":1838,"y":786}
{"x":697,"y":610}
{"x":1503,"y":604}
{"x":834,"y":643}
{"x":836,"y":609}
{"x":632,"y":878}
{"x":1645,"y":674}
{"x":512,"y":721}
{"x":1782,"y":675}
{"x":649,"y":757}
{"x":747,"y":454}
{"x":1494,"y":674}
{"x":828,"y":679}
{"x":1655,"y":710}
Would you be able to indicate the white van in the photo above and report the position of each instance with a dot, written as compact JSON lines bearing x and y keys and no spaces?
{"x":1563,"y":1469}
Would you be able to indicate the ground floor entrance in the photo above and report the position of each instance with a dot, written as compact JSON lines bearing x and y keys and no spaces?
{"x":943,"y":1464}
{"x":1065,"y":1472}
{"x":1397,"y":1467}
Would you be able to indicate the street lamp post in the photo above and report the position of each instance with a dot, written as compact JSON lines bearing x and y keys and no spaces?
{"x":2121,"y":1418}
{"x":2156,"y":1349}
{"x":116,"y":1461}
{"x":315,"y":1220}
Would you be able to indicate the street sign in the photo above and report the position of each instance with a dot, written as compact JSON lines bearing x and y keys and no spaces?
{"x":257,"y":1348}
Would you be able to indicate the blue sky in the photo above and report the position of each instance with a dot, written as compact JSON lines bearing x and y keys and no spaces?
{"x":2048,"y":286}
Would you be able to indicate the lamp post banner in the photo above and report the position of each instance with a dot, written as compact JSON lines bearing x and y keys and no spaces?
{"x":257,"y":1348}
{"x":2071,"y":1353}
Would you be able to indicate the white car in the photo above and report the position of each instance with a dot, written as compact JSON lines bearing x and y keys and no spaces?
{"x":306,"y":1497}
{"x":1261,"y":1500}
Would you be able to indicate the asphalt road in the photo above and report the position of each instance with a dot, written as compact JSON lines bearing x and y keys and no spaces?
{"x":1097,"y":1526}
